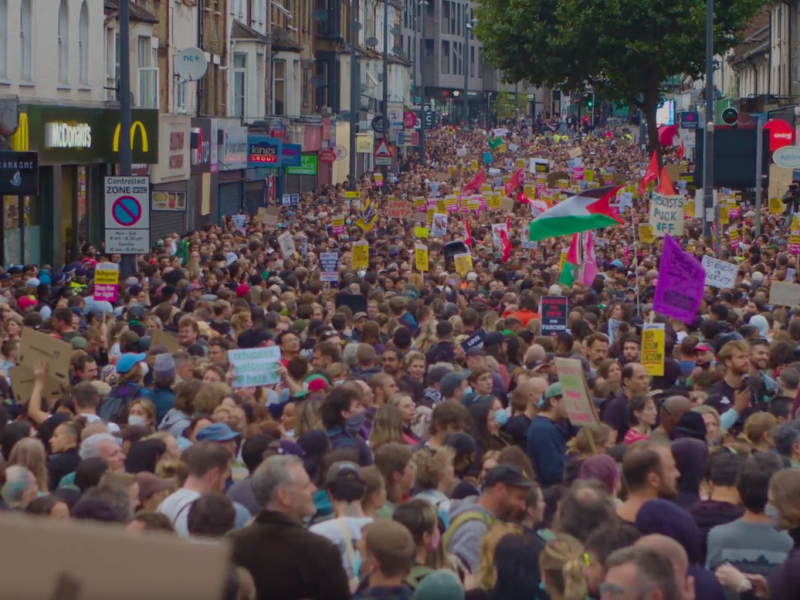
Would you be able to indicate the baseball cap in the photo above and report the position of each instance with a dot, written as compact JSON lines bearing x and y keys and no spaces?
{"x":26,"y":302}
{"x":507,"y":474}
{"x":450,"y":382}
{"x":150,"y":484}
{"x":218,"y":432}
{"x":342,"y":469}
{"x":703,"y":348}
{"x":126,"y":361}
{"x":553,"y":391}
{"x":359,"y":315}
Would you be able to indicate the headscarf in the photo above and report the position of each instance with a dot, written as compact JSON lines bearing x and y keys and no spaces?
{"x":690,"y":458}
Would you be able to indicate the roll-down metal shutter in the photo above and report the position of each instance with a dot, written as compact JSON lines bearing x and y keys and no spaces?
{"x":230,"y":198}
{"x":163,"y":222}
{"x":253,"y":196}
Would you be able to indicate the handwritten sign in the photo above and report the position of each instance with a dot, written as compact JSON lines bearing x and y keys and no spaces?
{"x":719,"y":274}
{"x":646,"y":234}
{"x":106,"y":280}
{"x":39,"y":346}
{"x":666,"y":215}
{"x":679,"y":290}
{"x":399,"y":209}
{"x":255,"y":366}
{"x":653,"y":349}
{"x":421,"y":257}
{"x":329,"y":261}
{"x":580,"y":408}
{"x":784,"y":294}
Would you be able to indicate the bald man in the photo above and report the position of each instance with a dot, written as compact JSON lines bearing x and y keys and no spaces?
{"x":669,"y":413}
{"x":535,"y":352}
{"x":672,"y":550}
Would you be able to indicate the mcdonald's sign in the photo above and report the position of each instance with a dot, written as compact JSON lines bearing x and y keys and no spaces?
{"x":20,"y":141}
{"x":137,"y":125}
{"x":144,"y":136}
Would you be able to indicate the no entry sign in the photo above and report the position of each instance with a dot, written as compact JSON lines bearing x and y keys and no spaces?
{"x":127,"y":201}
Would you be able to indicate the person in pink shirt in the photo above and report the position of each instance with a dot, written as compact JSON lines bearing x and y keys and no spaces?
{"x":642,"y":414}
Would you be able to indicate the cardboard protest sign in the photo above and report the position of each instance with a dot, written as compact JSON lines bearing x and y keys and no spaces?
{"x":784,"y":294}
{"x":162,"y":338}
{"x":421,"y":257}
{"x":360,"y":255}
{"x":22,"y":380}
{"x":270,"y":215}
{"x":646,"y":234}
{"x":679,"y":290}
{"x":39,"y":346}
{"x":653,"y":349}
{"x":575,"y":152}
{"x":554,"y":178}
{"x":67,"y":555}
{"x":463,"y":263}
{"x":719,"y":273}
{"x":666,"y":215}
{"x":399,"y":209}
{"x":255,"y":366}
{"x":580,"y":408}
{"x":286,"y":242}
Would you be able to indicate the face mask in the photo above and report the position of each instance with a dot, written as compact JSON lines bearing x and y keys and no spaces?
{"x":136,"y":420}
{"x":433,"y":542}
{"x":501,"y":417}
{"x":144,"y":368}
{"x":338,"y":381}
{"x":356,"y":422}
{"x":347,"y":221}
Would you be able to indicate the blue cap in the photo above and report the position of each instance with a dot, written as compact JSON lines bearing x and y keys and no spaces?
{"x":126,"y":361}
{"x":218,"y":432}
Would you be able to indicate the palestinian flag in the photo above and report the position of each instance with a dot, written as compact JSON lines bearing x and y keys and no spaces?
{"x":588,"y":210}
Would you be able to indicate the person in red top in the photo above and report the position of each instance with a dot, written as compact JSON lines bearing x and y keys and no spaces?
{"x":527,"y":309}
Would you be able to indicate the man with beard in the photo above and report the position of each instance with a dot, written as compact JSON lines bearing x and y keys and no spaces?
{"x":650,"y":472}
{"x":502,"y":497}
{"x":764,"y":386}
{"x":733,"y":391}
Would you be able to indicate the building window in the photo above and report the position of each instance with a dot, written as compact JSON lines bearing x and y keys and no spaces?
{"x":279,"y":87}
{"x":261,"y":63}
{"x":445,"y":17}
{"x":305,"y":86}
{"x":63,"y":42}
{"x":148,"y":75}
{"x":239,"y":83}
{"x":83,"y":43}
{"x":26,"y":41}
{"x":3,"y":38}
{"x":180,"y":96}
{"x":445,"y":57}
{"x":472,"y":61}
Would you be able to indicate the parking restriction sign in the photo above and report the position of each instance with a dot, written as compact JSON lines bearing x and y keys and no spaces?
{"x":127,"y":201}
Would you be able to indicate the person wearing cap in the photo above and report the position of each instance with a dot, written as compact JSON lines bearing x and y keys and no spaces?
{"x":153,"y":490}
{"x":220,"y":433}
{"x":547,"y":442}
{"x":131,"y":370}
{"x":345,"y":489}
{"x":502,"y":497}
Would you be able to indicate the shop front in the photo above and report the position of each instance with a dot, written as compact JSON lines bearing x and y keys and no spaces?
{"x":263,"y":165}
{"x":169,"y":179}
{"x":231,"y":167}
{"x":202,"y":189}
{"x":77,"y":147}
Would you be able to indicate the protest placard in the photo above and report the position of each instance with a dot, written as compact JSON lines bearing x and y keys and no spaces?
{"x":463,"y":263}
{"x":399,"y":209}
{"x":239,"y":222}
{"x":775,"y":205}
{"x":679,"y":290}
{"x":255,"y":366}
{"x":40,"y":346}
{"x":439,"y":225}
{"x":329,"y":261}
{"x":474,"y":341}
{"x":337,"y":225}
{"x":360,"y":255}
{"x":162,"y":338}
{"x":106,"y":280}
{"x":22,"y":380}
{"x":646,"y":234}
{"x":666,"y":215}
{"x":580,"y":408}
{"x":421,"y":257}
{"x":653,"y":349}
{"x":270,"y":215}
{"x":286,"y":242}
{"x":719,"y":273}
{"x":554,"y":314}
{"x":784,"y":294}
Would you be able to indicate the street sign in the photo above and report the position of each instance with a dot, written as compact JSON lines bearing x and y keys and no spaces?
{"x":730,"y":116}
{"x":409,"y":119}
{"x":327,"y":155}
{"x":412,"y":139}
{"x":395,"y":114}
{"x":340,"y":152}
{"x":378,"y":124}
{"x":127,"y":201}
{"x":401,"y":138}
{"x":382,"y":153}
{"x":689,"y":119}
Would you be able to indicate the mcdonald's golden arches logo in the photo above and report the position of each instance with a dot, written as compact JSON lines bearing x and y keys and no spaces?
{"x":20,"y":140}
{"x":136,"y":125}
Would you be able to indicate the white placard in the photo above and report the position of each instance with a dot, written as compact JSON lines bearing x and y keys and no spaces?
{"x":666,"y":215}
{"x":255,"y":366}
{"x":719,"y":274}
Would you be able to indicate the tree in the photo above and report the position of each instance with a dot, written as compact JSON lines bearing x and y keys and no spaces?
{"x":624,"y":49}
{"x":503,"y":105}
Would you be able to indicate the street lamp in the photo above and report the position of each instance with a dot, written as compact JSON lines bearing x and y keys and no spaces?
{"x":421,"y":58}
{"x":470,"y":23}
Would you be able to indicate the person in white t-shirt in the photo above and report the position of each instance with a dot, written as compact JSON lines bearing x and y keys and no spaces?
{"x":209,"y":466}
{"x":346,"y":490}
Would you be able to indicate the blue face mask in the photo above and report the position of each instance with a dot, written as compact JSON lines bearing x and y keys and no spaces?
{"x":501,"y":417}
{"x":356,"y":422}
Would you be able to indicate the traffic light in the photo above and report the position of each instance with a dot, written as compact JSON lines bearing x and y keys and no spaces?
{"x":590,"y":102}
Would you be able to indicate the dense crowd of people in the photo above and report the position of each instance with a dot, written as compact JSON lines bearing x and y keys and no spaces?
{"x":418,"y":443}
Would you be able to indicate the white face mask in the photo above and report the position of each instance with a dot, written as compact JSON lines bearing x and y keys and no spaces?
{"x":136,"y":420}
{"x":144,"y":368}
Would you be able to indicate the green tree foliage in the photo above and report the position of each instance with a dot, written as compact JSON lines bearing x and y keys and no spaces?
{"x":507,"y":105}
{"x":624,"y":49}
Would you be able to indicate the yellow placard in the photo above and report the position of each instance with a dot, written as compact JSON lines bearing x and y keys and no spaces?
{"x":688,"y":209}
{"x":646,"y":234}
{"x":421,"y":257}
{"x":723,"y":215}
{"x":653,"y":349}
{"x":463,"y":264}
{"x":337,"y":222}
{"x":451,"y":200}
{"x":794,"y":226}
{"x":441,"y":206}
{"x":588,"y":175}
{"x":562,"y":260}
{"x":520,"y":163}
{"x":360,"y":255}
{"x":421,"y":232}
{"x":775,"y":206}
{"x":106,"y":276}
{"x":419,"y":202}
{"x":473,"y":164}
{"x":494,"y":201}
{"x":502,"y":148}
{"x":430,"y":216}
{"x":473,"y":204}
{"x":352,"y":194}
{"x":733,"y":234}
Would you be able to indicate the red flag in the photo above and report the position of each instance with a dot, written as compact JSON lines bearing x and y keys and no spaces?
{"x":681,"y":150}
{"x":650,"y":174}
{"x":514,"y":182}
{"x":467,"y":234}
{"x":664,"y":184}
{"x":522,"y":198}
{"x":508,"y":222}
{"x":505,"y":245}
{"x":475,"y":183}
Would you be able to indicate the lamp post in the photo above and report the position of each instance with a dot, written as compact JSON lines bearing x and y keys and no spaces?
{"x":470,"y":23}
{"x":354,"y":91}
{"x":125,"y":153}
{"x":708,"y":150}
{"x":423,"y":9}
{"x":387,"y":128}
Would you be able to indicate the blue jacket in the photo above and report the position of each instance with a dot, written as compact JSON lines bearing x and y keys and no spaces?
{"x":547,"y":448}
{"x":164,"y":400}
{"x":340,"y":438}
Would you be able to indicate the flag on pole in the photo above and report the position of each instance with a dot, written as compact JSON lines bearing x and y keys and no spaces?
{"x":475,"y":182}
{"x":650,"y":174}
{"x":514,"y":182}
{"x":505,"y":245}
{"x":664,"y":184}
{"x":588,"y":210}
{"x":580,"y":265}
{"x":467,"y":234}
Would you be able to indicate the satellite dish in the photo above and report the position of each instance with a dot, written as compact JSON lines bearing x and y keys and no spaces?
{"x":372,"y":41}
{"x":191,"y":64}
{"x":318,"y":81}
{"x":320,"y":15}
{"x":356,"y":25}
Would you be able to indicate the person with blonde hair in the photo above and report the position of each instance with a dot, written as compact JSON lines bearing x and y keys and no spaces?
{"x":485,"y":573}
{"x":30,"y":453}
{"x":561,"y":564}
{"x":435,"y":474}
{"x":387,"y":427}
{"x":427,"y":337}
{"x":758,"y":431}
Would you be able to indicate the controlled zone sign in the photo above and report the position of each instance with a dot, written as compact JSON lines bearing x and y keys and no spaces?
{"x":127,"y":202}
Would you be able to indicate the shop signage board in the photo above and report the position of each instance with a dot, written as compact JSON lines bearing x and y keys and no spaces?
{"x":127,"y":202}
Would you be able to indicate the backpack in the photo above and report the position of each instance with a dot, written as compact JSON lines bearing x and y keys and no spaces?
{"x":466,"y":517}
{"x":113,"y":408}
